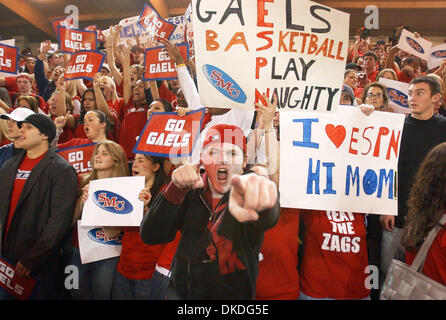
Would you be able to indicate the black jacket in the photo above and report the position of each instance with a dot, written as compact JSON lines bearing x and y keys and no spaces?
{"x":43,"y":213}
{"x":217,"y":257}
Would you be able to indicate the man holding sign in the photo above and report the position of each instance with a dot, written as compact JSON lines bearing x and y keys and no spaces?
{"x":222,"y":216}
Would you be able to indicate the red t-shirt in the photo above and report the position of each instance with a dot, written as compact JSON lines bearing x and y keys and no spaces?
{"x":403,"y":77}
{"x":166,"y":256}
{"x":435,"y":263}
{"x":166,"y":94}
{"x":134,"y":120}
{"x":335,"y":256}
{"x":278,"y":275}
{"x":23,"y":173}
{"x":372,"y":76}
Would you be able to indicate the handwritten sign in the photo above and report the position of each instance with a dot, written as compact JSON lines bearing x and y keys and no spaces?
{"x":283,"y":47}
{"x":159,"y":66}
{"x":9,"y":56}
{"x":74,"y":40}
{"x":79,"y":157}
{"x":114,"y":202}
{"x":166,"y":134}
{"x":84,"y":65}
{"x":344,"y":161}
{"x":397,"y":92}
{"x":19,"y":288}
{"x":156,"y":26}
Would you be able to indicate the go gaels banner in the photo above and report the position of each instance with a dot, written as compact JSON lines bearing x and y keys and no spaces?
{"x":79,"y":157}
{"x":19,"y":288}
{"x":166,"y":134}
{"x":159,"y":66}
{"x":84,"y":65}
{"x":74,"y":40}
{"x":9,"y":56}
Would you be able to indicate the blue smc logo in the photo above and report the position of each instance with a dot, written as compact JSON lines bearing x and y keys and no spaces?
{"x":224,"y":83}
{"x":98,"y":235}
{"x":112,"y":202}
{"x":397,"y":97}
{"x":414,"y":45}
{"x":439,"y":54}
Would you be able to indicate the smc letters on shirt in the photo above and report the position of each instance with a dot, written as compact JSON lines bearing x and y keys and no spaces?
{"x":74,"y":40}
{"x":84,"y":65}
{"x":9,"y":56}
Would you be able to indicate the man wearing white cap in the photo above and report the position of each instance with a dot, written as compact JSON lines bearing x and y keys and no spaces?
{"x":9,"y":150}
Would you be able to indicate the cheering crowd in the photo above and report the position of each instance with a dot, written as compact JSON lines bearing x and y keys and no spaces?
{"x":212,"y":229}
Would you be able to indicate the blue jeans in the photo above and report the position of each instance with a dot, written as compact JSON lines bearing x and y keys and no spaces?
{"x":95,"y":278}
{"x":130,"y":289}
{"x":391,"y":248}
{"x":159,"y":286}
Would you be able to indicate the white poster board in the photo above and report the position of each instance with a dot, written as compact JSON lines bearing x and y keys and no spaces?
{"x":95,"y":244}
{"x":296,"y":48}
{"x":419,"y":47}
{"x":397,"y":92}
{"x":114,"y":202}
{"x":344,"y":161}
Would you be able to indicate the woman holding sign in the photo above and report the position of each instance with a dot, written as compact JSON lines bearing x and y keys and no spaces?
{"x":96,"y":278}
{"x":137,"y":261}
{"x":375,"y":94}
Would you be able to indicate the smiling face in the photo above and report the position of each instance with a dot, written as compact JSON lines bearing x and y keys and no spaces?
{"x":103,"y":160}
{"x":221,"y":162}
{"x":144,"y":167}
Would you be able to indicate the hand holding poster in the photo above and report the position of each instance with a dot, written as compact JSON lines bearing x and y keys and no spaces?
{"x":9,"y":56}
{"x":159,"y":66}
{"x":95,"y":244}
{"x":343,"y":161}
{"x":19,"y":288}
{"x":397,"y":92}
{"x":417,"y":46}
{"x":74,"y":40}
{"x":114,"y":202}
{"x":84,"y":65}
{"x":156,"y":26}
{"x":295,"y":48}
{"x":166,"y":134}
{"x":79,"y":157}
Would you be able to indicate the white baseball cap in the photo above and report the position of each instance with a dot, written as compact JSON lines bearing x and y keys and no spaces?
{"x":19,"y":114}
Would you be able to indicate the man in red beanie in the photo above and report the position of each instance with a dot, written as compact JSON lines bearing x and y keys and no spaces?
{"x":222,"y":215}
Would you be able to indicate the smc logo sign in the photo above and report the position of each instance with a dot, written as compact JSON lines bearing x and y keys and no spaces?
{"x":397,"y":97}
{"x":98,"y":235}
{"x":112,"y":202}
{"x":439,"y":54}
{"x":415,"y":45}
{"x":224,"y":83}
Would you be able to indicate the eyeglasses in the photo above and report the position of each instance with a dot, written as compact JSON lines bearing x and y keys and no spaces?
{"x":371,"y":95}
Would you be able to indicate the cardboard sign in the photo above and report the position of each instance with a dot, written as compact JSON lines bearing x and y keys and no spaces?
{"x":153,"y":24}
{"x":166,"y":134}
{"x":66,"y":22}
{"x":75,"y":40}
{"x":19,"y":288}
{"x":114,"y":202}
{"x":79,"y":157}
{"x":159,"y":66}
{"x":84,"y":65}
{"x":95,"y":244}
{"x":295,"y":48}
{"x":436,"y":56}
{"x":344,"y":161}
{"x":9,"y":57}
{"x":131,"y":31}
{"x":397,"y":92}
{"x":419,"y":47}
{"x":178,"y":35}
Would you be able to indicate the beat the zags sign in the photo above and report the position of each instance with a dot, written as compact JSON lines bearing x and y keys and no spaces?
{"x":79,"y":157}
{"x":74,"y":40}
{"x":19,"y":288}
{"x":9,"y":56}
{"x":84,"y":65}
{"x":159,"y":66}
{"x":166,"y":134}
{"x":156,"y":26}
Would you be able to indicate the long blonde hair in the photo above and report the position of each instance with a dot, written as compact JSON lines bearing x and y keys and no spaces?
{"x":119,"y":157}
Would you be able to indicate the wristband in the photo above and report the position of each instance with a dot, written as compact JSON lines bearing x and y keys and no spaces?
{"x":180,"y":65}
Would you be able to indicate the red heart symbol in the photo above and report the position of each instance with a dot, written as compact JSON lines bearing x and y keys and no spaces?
{"x":336,"y":134}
